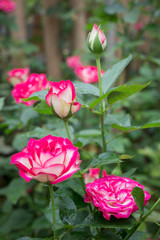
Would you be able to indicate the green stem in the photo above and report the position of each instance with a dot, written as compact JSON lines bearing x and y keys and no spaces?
{"x":67,"y":129}
{"x":102,"y":103}
{"x":135,"y":227}
{"x":53,"y":210}
{"x":102,"y":106}
{"x":155,"y":237}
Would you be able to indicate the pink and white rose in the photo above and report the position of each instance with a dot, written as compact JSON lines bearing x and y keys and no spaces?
{"x":61,"y":97}
{"x":7,"y":6}
{"x":73,"y":62}
{"x":18,"y":75}
{"x":112,"y":196}
{"x":35,"y":82}
{"x":50,"y":159}
{"x":88,"y":74}
{"x":92,"y":175}
{"x":97,"y":42}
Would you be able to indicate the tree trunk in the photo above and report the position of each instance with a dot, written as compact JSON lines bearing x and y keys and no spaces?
{"x":51,"y":29}
{"x":79,"y":33}
{"x":19,"y":12}
{"x":18,"y":59}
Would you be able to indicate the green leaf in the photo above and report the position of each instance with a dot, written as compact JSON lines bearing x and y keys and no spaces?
{"x":27,"y":115}
{"x":98,"y":221}
{"x":1,"y":102}
{"x":125,"y":157}
{"x":118,"y":119}
{"x":105,"y":234}
{"x":43,"y":108}
{"x":18,"y":220}
{"x":86,"y":88}
{"x":123,"y":92}
{"x":132,"y":16}
{"x":14,"y":190}
{"x":147,"y":125}
{"x":40,"y":95}
{"x":115,"y":8}
{"x":129,"y":173}
{"x":68,"y":210}
{"x":138,"y":195}
{"x":105,"y":158}
{"x":112,"y":74}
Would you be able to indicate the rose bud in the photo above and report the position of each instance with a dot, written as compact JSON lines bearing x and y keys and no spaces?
{"x":97,"y":42}
{"x":61,"y":98}
{"x":112,"y":196}
{"x":92,"y":175}
{"x":18,"y":75}
{"x":50,"y":159}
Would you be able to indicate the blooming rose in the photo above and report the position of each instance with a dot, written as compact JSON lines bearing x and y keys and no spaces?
{"x":112,"y":196}
{"x":73,"y":62}
{"x":97,"y":42}
{"x":88,"y":74}
{"x":35,"y":82}
{"x":50,"y":159}
{"x":138,"y":26}
{"x":93,"y":175}
{"x":61,"y":97}
{"x":18,"y":75}
{"x":7,"y":5}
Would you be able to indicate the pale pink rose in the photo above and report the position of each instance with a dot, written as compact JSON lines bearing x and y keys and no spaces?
{"x":73,"y":62}
{"x":18,"y":75}
{"x":61,"y":97}
{"x":97,"y":42}
{"x":92,"y":175}
{"x":35,"y":82}
{"x":88,"y":74}
{"x":138,"y":26}
{"x":112,"y":196}
{"x":7,"y":6}
{"x":50,"y":159}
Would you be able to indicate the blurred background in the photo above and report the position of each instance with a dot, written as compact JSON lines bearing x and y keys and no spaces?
{"x":41,"y":34}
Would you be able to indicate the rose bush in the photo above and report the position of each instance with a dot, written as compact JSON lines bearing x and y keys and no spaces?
{"x":92,"y":175}
{"x":88,"y":74}
{"x":7,"y":5}
{"x":50,"y":159}
{"x":73,"y":62}
{"x":61,"y":97}
{"x":112,"y":196}
{"x":35,"y":82}
{"x":18,"y":75}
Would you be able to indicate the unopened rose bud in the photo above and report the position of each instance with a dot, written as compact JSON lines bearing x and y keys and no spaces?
{"x":97,"y":41}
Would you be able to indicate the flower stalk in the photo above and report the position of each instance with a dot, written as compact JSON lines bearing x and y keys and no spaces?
{"x":53,"y":210}
{"x":67,"y":128}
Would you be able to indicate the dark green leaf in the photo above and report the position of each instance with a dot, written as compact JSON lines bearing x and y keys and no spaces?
{"x":138,"y":195}
{"x":43,"y":108}
{"x":129,"y":173}
{"x":14,"y":190}
{"x":112,"y":74}
{"x":123,"y":92}
{"x":97,"y":220}
{"x":105,"y":158}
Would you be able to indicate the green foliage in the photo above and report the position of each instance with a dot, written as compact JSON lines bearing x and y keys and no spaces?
{"x":138,"y":195}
